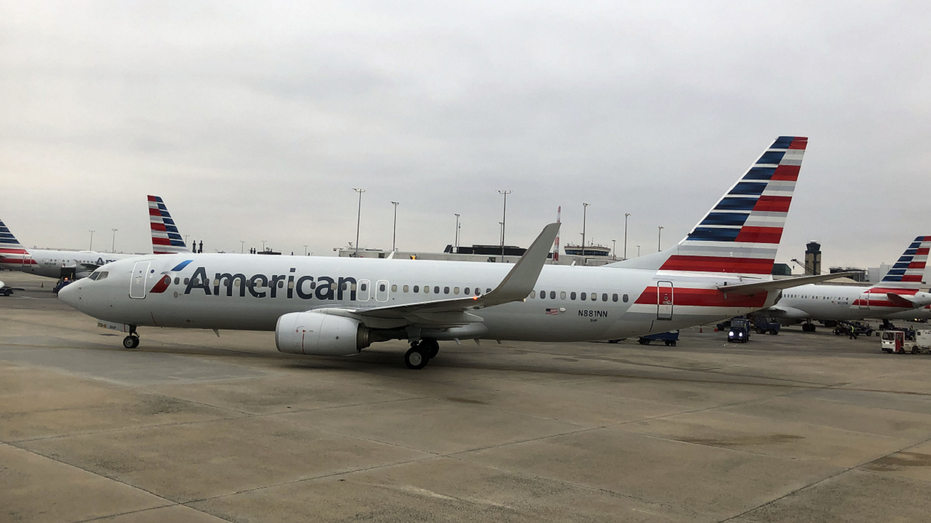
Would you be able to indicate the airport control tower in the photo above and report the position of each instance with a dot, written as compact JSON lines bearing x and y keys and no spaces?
{"x":813,"y":258}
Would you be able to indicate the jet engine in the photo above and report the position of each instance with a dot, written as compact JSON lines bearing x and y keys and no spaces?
{"x":319,"y":334}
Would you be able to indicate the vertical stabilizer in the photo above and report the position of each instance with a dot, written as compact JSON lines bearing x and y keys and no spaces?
{"x":911,"y":265}
{"x":13,"y":255}
{"x":165,"y":236}
{"x":741,"y":233}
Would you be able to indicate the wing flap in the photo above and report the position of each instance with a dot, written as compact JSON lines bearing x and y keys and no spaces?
{"x":785,"y":283}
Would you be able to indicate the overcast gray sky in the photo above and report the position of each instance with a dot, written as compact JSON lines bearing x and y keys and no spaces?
{"x":254,"y":121}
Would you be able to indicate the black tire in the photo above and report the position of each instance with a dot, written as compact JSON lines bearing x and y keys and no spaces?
{"x":415,"y":359}
{"x":430,"y":348}
{"x":672,"y":343}
{"x":759,"y":330}
{"x":131,"y":342}
{"x":774,"y":332}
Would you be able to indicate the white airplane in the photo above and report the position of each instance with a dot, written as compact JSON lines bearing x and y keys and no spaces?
{"x":80,"y":264}
{"x":339,"y":306}
{"x":50,"y":263}
{"x":896,"y":296}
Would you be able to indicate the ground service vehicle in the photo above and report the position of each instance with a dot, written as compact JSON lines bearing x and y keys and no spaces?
{"x":739,"y":331}
{"x":669,"y":338}
{"x":894,"y":342}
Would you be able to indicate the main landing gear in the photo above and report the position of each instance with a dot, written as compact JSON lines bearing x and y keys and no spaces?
{"x":131,"y":341}
{"x":808,"y":327}
{"x":421,"y":353}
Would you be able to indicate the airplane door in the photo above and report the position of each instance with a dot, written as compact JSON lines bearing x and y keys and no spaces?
{"x":864,"y":300}
{"x":137,"y":285}
{"x":664,"y":300}
{"x":365,"y":288}
{"x":381,"y":290}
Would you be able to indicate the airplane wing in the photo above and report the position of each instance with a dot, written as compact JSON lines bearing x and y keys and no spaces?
{"x":516,"y":285}
{"x":785,"y":283}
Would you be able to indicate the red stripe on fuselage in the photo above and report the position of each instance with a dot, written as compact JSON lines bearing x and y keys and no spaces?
{"x":704,"y":298}
{"x":678,"y":262}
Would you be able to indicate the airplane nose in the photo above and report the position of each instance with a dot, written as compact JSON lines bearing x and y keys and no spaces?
{"x":70,"y":294}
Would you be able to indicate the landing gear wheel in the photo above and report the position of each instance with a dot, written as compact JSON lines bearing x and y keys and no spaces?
{"x":131,"y":341}
{"x":430,"y":348}
{"x":415,"y":359}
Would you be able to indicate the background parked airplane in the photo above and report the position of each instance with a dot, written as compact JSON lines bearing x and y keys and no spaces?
{"x":79,"y":264}
{"x":896,"y":296}
{"x":339,"y":306}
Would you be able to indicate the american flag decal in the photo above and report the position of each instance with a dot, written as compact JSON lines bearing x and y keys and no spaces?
{"x":552,"y":311}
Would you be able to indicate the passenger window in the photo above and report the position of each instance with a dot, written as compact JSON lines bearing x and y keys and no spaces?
{"x":405,"y":288}
{"x":625,"y":298}
{"x":416,"y":288}
{"x":436,"y":289}
{"x":571,"y":295}
{"x":614,"y":297}
{"x":552,"y":295}
{"x":487,"y":290}
{"x":445,"y":290}
{"x":562,"y":295}
{"x":466,"y":291}
{"x":394,"y":288}
{"x":581,"y":296}
{"x":426,"y":289}
{"x":455,"y":290}
{"x":187,"y":281}
{"x":533,"y":294}
{"x":604,"y":297}
{"x":381,"y":288}
{"x":362,"y":287}
{"x":353,"y":287}
{"x":313,"y":285}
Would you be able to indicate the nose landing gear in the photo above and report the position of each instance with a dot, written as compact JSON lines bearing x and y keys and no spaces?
{"x":131,"y":341}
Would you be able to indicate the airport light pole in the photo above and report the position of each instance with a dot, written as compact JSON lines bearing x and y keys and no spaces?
{"x":456,"y":242}
{"x":263,"y":245}
{"x":242,"y":246}
{"x":638,"y":251}
{"x":113,"y":245}
{"x":358,"y":217}
{"x":584,"y":212}
{"x":92,"y":240}
{"x":659,"y":241}
{"x":626,"y":215}
{"x":305,"y":250}
{"x":394,"y":230}
{"x":504,"y":218}
{"x":614,"y":249}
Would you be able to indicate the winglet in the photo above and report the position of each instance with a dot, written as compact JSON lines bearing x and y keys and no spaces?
{"x":519,"y":282}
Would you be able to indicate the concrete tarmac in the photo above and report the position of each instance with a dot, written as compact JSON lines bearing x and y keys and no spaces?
{"x":192,"y":427}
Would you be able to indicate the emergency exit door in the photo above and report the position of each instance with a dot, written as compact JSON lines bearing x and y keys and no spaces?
{"x":664,"y":300}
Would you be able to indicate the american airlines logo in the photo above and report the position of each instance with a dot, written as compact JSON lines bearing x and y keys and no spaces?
{"x":262,"y":285}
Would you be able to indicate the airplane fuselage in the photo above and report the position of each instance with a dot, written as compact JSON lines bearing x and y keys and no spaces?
{"x":835,"y":302}
{"x":49,"y":263}
{"x":231,"y":291}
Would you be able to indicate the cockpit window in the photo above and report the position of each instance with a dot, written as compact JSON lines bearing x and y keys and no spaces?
{"x":98,"y":275}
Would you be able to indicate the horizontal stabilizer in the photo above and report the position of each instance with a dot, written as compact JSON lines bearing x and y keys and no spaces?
{"x":784,"y":283}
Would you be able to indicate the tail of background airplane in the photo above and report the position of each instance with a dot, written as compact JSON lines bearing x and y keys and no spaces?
{"x":741,"y":233}
{"x":13,"y":255}
{"x":165,"y":236}
{"x":910,"y":269}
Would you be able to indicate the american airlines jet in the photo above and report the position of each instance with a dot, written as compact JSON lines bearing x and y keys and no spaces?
{"x":896,"y":296}
{"x":339,"y":306}
{"x":79,"y":264}
{"x":50,"y":263}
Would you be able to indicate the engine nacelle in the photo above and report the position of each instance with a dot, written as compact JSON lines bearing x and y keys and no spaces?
{"x":319,"y":334}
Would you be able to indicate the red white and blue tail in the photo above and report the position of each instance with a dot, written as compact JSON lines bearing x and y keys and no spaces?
{"x":741,"y":233}
{"x":910,"y":269}
{"x":165,"y":236}
{"x":13,"y":255}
